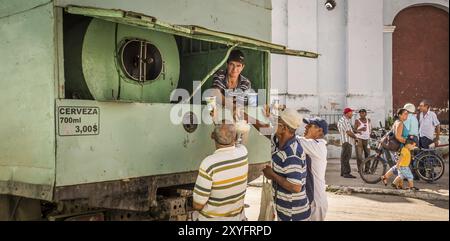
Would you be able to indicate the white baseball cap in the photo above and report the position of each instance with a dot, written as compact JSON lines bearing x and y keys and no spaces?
{"x":291,"y":117}
{"x":410,"y":107}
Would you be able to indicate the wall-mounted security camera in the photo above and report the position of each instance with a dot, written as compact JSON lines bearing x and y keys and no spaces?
{"x":330,"y":4}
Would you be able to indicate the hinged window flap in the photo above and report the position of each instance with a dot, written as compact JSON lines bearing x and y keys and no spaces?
{"x":190,"y":31}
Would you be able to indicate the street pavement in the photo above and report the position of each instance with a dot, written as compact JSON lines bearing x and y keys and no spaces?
{"x":333,"y":178}
{"x":368,"y":206}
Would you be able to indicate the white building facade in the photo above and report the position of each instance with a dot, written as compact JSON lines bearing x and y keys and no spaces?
{"x":354,"y":41}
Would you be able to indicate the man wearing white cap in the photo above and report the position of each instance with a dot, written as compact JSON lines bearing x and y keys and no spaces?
{"x":288,"y":171}
{"x":412,"y":124}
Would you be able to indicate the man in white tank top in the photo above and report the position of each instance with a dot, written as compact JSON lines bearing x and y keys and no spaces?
{"x":363,"y":129}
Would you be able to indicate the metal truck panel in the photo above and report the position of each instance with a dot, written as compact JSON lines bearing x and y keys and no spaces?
{"x":135,"y":140}
{"x":225,"y":16}
{"x":140,"y":19}
{"x":9,"y":8}
{"x":100,"y":73}
{"x":27,"y":60}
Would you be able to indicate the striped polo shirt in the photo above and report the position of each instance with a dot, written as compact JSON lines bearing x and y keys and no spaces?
{"x":290,"y":163}
{"x":344,"y":125}
{"x":221,"y":184}
{"x":220,"y":81}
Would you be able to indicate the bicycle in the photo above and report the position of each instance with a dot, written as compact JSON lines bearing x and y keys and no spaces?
{"x":428,"y":165}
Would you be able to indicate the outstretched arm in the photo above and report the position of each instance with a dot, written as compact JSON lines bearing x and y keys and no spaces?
{"x":258,"y":124}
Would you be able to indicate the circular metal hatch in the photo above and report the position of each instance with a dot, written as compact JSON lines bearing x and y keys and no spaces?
{"x":190,"y":122}
{"x":141,"y":61}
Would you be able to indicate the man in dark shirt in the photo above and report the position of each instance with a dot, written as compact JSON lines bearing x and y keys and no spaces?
{"x":230,"y":82}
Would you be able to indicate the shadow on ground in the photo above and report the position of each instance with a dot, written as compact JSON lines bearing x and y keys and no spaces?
{"x":398,"y":199}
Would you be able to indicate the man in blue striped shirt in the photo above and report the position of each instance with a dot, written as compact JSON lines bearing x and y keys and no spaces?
{"x":288,"y":171}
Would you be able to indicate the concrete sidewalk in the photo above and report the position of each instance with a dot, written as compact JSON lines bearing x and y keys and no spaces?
{"x":365,"y":207}
{"x":438,"y":190}
{"x":428,"y":191}
{"x":353,"y":199}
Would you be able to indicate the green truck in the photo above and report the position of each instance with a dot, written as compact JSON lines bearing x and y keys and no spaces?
{"x":86,"y":102}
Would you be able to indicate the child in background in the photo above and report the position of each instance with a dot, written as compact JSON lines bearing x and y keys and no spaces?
{"x":403,"y":165}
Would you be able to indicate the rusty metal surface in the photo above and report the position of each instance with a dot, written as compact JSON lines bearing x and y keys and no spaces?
{"x":137,"y":194}
{"x":420,"y":58}
{"x":175,"y":206}
{"x":14,"y":208}
{"x":88,"y":217}
{"x":28,"y":190}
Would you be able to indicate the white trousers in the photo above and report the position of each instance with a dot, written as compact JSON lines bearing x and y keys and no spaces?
{"x":318,"y":212}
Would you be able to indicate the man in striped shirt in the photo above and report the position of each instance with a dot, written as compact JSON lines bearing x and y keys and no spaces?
{"x":230,"y":83}
{"x":288,"y":171}
{"x":222,"y":179}
{"x":347,"y":140}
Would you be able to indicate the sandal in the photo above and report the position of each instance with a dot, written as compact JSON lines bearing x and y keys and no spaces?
{"x":384,"y":180}
{"x":394,"y":186}
{"x":413,"y":189}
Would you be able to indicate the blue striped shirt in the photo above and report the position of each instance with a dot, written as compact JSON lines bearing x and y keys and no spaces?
{"x":290,"y":163}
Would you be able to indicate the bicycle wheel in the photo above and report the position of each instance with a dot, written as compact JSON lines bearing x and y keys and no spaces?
{"x":429,"y":166}
{"x":376,"y":168}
